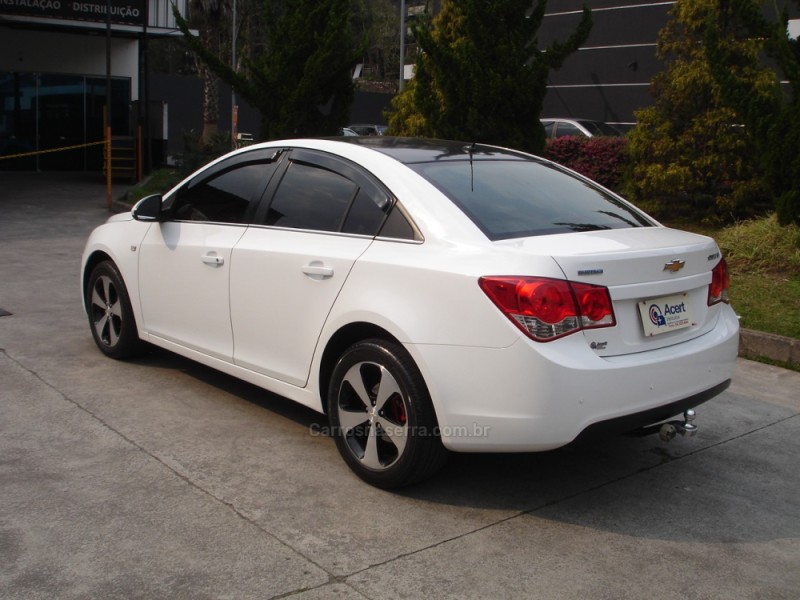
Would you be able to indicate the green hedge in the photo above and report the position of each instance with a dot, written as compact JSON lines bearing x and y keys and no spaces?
{"x":602,"y":159}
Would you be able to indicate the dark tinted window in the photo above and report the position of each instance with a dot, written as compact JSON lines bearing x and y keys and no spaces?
{"x":398,"y":227}
{"x":549,"y":128}
{"x":565,"y":129}
{"x":224,"y":196}
{"x":520,"y":198}
{"x":367,"y":213}
{"x":310,"y":197}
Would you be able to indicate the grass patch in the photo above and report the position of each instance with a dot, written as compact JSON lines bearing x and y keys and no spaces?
{"x":764,"y":259}
{"x":160,"y":181}
{"x":767,"y":302}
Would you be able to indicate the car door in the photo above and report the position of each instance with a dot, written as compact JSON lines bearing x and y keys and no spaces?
{"x":290,"y":265}
{"x":184,"y":262}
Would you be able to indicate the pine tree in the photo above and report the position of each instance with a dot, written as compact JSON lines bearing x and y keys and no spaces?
{"x":480,"y":74}
{"x":772,"y":116}
{"x":300,"y":80}
{"x":691,"y":151}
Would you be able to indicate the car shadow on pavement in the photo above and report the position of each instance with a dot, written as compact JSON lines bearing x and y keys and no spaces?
{"x":724,"y":485}
{"x":742,"y":487}
{"x":163,"y":359}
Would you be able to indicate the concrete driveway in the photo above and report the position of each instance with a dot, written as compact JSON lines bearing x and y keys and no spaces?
{"x":160,"y":478}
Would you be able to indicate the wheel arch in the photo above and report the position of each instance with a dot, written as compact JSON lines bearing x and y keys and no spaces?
{"x":116,"y":333}
{"x":422,"y":452}
{"x":340,"y":341}
{"x":94,"y":259}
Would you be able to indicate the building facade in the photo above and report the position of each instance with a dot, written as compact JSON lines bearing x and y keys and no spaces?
{"x":67,"y":67}
{"x":608,"y":78}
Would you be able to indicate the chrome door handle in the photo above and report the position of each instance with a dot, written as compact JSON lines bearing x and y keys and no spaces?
{"x":213,"y":259}
{"x":317,"y":270}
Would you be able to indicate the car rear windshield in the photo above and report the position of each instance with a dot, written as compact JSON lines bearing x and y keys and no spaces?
{"x":521,"y":198}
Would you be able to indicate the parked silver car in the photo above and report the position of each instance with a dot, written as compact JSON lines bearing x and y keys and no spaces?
{"x":366,"y":129}
{"x":556,"y":128}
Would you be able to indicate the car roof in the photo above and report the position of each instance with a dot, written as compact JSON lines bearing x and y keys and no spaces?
{"x":570,"y":120}
{"x":416,"y":150}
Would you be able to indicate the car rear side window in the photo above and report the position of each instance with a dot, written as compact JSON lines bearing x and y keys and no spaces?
{"x":366,"y":214}
{"x":321,"y":192}
{"x":521,"y":198}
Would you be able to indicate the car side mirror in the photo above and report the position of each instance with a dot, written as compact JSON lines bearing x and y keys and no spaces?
{"x":148,"y":209}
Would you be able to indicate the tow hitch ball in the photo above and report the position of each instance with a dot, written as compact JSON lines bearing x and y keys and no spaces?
{"x":686,"y":428}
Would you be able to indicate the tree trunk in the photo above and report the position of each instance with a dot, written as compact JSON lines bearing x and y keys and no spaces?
{"x":210,"y":87}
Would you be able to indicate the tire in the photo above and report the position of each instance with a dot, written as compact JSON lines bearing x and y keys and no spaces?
{"x":110,"y":314}
{"x":382,"y":417}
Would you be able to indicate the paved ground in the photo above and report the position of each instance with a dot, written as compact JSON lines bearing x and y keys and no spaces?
{"x":160,"y":478}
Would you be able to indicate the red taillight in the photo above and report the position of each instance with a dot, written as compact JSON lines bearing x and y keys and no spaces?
{"x":546,"y":309}
{"x":720,"y":284}
{"x":595,"y":304}
{"x":547,"y":300}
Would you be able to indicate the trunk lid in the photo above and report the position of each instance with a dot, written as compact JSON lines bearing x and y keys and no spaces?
{"x":658,"y":279}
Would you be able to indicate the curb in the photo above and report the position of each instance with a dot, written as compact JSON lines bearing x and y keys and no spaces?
{"x":755,"y":344}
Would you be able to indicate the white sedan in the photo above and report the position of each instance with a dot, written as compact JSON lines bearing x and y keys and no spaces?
{"x":427,"y":295}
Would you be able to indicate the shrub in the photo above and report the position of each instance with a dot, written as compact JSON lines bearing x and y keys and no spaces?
{"x":565,"y":150}
{"x":788,"y":207}
{"x":689,"y":158}
{"x":602,"y":159}
{"x":197,"y":153}
{"x":160,"y":181}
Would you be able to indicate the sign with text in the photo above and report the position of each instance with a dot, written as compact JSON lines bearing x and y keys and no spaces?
{"x":123,"y":12}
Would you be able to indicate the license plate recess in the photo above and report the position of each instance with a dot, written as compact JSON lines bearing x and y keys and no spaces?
{"x":666,"y":313}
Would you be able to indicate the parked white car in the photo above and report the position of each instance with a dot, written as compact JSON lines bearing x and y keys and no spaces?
{"x":428,"y":295}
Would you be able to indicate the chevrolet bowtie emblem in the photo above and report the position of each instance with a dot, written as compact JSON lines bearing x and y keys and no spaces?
{"x":674,"y":265}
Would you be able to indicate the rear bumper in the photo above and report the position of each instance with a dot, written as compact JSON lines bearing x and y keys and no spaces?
{"x":531,"y":397}
{"x":641,"y":419}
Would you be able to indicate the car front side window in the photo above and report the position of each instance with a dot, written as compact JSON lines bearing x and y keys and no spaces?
{"x":226,"y":194}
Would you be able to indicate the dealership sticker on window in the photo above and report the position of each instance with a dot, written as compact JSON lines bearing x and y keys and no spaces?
{"x":667,"y":313}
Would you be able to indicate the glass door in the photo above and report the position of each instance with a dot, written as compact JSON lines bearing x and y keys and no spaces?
{"x":17,"y":120}
{"x":61,"y":122}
